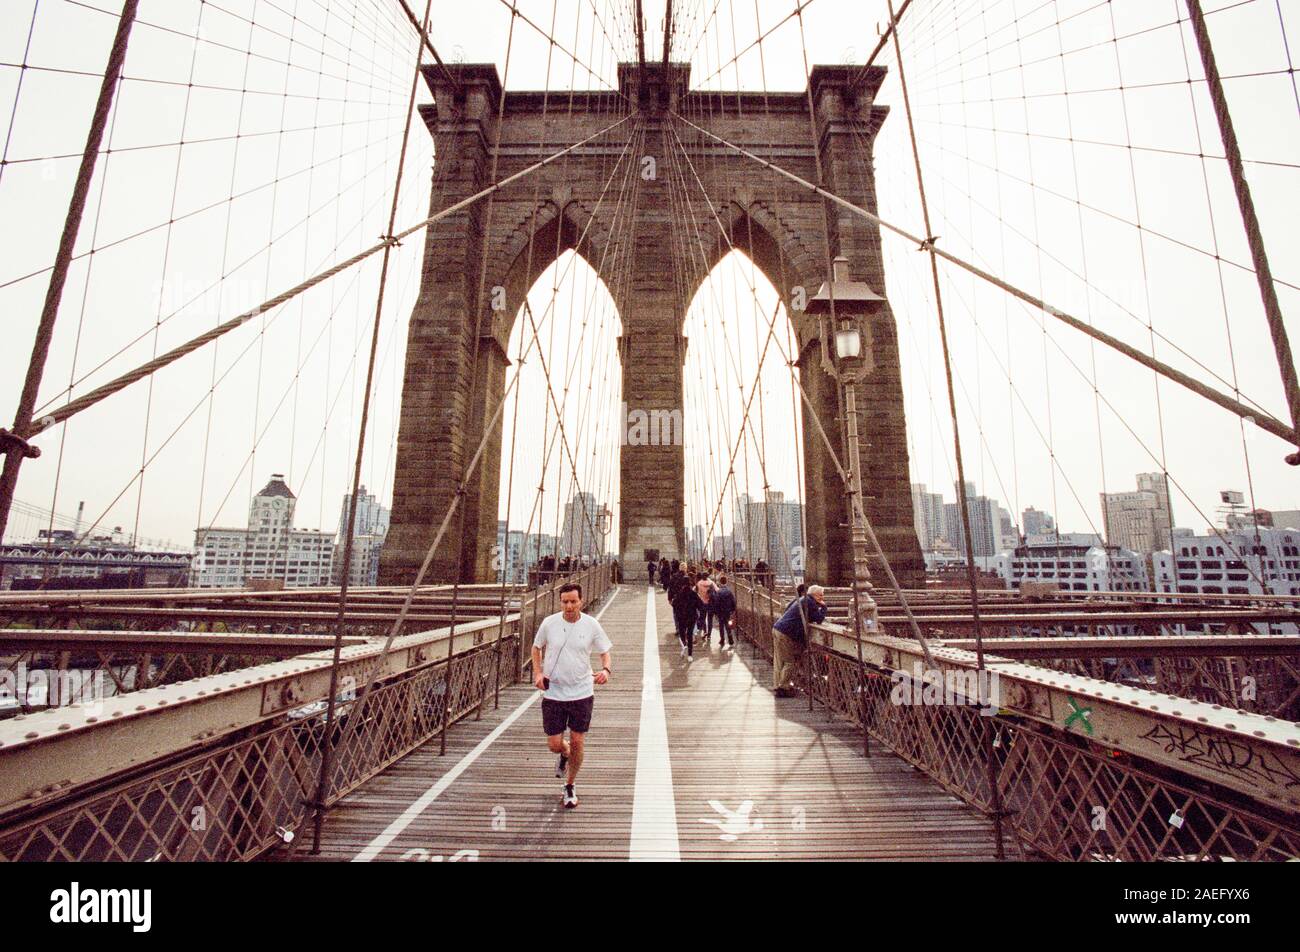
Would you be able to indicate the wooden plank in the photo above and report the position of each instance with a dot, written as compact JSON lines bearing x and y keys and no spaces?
{"x":814,"y":796}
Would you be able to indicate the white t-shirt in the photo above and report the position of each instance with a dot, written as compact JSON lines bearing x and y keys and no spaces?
{"x":567,"y":656}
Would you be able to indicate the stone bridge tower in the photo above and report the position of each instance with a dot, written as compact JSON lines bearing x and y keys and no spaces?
{"x":618,"y":201}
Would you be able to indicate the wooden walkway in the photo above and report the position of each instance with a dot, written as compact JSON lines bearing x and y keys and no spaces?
{"x":707,"y":765}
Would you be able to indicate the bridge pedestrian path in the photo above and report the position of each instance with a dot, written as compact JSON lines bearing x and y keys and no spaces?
{"x":684,"y":761}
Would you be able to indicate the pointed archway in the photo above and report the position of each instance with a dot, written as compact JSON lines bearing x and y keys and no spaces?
{"x":631,"y":228}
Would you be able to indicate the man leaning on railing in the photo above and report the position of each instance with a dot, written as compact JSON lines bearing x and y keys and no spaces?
{"x":789,"y":636}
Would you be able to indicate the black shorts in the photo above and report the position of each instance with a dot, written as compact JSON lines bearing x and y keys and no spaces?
{"x":575,"y":715}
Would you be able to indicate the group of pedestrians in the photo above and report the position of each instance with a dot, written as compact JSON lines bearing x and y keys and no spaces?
{"x":661,"y":572}
{"x":699,"y":596}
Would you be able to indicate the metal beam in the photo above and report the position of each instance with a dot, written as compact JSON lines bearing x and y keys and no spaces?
{"x":169,"y":642}
{"x":43,"y":754}
{"x":236,"y":615}
{"x":1229,"y":616}
{"x":1255,"y":755}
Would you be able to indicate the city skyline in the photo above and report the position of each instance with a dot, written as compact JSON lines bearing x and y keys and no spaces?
{"x":1046,"y":438}
{"x":923,"y":508}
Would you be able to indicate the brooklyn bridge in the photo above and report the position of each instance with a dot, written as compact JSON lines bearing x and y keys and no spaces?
{"x":672,"y":311}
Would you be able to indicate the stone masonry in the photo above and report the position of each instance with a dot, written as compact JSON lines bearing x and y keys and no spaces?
{"x":652,"y":239}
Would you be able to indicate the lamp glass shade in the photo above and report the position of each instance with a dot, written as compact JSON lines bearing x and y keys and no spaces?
{"x":848,"y":343}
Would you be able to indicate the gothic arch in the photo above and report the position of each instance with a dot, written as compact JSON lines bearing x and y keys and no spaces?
{"x":787,"y":261}
{"x":757,"y":229}
{"x":537,"y":239}
{"x":455,"y":378}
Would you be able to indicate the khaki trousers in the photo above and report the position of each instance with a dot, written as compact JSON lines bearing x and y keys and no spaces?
{"x":785,"y":655}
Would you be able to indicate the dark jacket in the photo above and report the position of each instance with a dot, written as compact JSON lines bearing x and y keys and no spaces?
{"x":687,"y":604}
{"x":724,"y":602}
{"x":676,"y":583}
{"x":790,"y":624}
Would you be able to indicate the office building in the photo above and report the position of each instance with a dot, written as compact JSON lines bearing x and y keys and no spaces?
{"x":585,"y":528}
{"x":1140,"y":520}
{"x":268,"y":549}
{"x":1036,"y":523}
{"x":1232,"y":563}
{"x":985,"y":534}
{"x":1081,"y":565}
{"x":369,"y":530}
{"x":927,"y":516}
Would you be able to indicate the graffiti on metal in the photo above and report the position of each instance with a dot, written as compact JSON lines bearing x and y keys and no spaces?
{"x":1223,"y":754}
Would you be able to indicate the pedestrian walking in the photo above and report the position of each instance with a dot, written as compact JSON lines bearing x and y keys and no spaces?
{"x":686,"y":610}
{"x":704,"y":588}
{"x":724,"y":609}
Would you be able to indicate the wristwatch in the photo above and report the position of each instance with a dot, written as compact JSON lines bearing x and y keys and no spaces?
{"x":606,"y":670}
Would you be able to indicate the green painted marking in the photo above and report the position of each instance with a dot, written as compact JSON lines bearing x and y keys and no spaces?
{"x":1080,"y":714}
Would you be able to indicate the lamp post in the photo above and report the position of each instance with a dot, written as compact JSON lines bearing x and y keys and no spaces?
{"x":854,"y":303}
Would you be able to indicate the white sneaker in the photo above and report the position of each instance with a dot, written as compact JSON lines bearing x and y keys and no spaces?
{"x":683,"y":651}
{"x":690,"y":659}
{"x":570,"y":797}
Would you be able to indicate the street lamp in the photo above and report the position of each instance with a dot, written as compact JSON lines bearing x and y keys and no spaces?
{"x":848,"y":342}
{"x":852,"y":303}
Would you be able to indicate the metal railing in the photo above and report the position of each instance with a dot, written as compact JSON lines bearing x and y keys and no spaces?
{"x":1086,"y":770}
{"x":225,"y":767}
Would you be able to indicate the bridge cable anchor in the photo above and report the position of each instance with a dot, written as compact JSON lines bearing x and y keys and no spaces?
{"x":928,"y":243}
{"x":390,"y":241}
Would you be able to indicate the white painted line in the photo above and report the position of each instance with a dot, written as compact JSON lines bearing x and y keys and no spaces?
{"x":654,"y":810}
{"x":417,"y":807}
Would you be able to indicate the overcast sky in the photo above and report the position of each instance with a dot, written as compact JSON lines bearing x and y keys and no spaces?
{"x":1039,"y":167}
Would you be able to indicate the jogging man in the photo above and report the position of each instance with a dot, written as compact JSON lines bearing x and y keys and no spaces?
{"x":562,"y":651}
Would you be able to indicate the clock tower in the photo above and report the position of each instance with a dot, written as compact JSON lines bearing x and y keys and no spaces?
{"x":271,"y":512}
